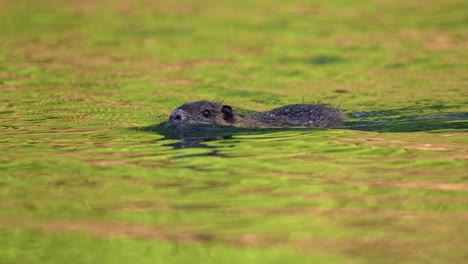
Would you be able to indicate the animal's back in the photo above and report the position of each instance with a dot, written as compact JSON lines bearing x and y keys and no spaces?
{"x":302,"y":115}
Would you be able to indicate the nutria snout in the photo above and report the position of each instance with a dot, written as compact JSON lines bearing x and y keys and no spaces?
{"x":206,"y":113}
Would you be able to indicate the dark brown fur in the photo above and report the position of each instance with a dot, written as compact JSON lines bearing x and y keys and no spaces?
{"x":206,"y":113}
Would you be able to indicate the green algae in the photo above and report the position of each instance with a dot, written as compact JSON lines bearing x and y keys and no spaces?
{"x":88,"y":172}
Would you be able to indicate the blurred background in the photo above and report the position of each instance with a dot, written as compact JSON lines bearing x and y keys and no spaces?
{"x":88,"y":174}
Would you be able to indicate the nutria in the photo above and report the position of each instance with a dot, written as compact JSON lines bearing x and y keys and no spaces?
{"x":206,"y":113}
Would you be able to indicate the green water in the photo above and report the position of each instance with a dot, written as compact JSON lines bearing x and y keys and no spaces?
{"x":88,"y":175}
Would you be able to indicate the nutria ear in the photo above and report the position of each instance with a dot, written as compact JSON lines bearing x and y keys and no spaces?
{"x":227,"y":113}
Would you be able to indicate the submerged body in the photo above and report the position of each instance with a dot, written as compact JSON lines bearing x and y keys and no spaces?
{"x":206,"y":113}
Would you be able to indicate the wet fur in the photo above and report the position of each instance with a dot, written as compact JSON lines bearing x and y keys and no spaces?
{"x":218,"y":114}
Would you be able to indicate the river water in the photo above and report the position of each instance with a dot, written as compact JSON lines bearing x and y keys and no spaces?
{"x":87,"y":172}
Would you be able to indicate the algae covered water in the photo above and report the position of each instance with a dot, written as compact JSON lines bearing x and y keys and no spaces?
{"x":87,"y":172}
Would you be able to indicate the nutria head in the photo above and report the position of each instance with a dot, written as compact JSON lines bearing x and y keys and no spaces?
{"x":201,"y":113}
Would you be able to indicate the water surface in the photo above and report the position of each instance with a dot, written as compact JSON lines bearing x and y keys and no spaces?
{"x":88,"y":173}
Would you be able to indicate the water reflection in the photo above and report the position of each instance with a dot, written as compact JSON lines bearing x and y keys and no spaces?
{"x":198,"y":137}
{"x":392,"y":121}
{"x":195,"y":142}
{"x":193,"y":138}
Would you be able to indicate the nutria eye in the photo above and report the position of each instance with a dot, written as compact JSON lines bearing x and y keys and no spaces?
{"x":177,"y":117}
{"x":206,"y":113}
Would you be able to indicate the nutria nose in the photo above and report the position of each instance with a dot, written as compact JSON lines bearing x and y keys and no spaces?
{"x":177,"y":115}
